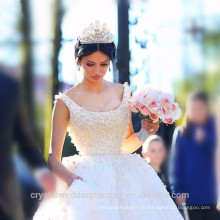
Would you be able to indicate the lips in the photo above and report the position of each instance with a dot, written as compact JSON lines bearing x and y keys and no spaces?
{"x":95,"y":77}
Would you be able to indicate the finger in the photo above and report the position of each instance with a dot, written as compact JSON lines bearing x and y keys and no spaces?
{"x":154,"y":125}
{"x":152,"y":130}
{"x":147,"y":128}
{"x":80,"y":178}
{"x":146,"y":119}
{"x":148,"y":122}
{"x":150,"y":126}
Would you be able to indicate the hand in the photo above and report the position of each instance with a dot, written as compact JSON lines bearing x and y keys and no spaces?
{"x":150,"y":126}
{"x":69,"y":180}
{"x":218,"y":205}
{"x":180,"y":201}
{"x":199,"y":134}
{"x":218,"y":202}
{"x":48,"y":182}
{"x":46,"y":179}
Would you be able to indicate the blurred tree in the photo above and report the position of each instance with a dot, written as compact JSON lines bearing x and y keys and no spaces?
{"x":54,"y":82}
{"x":123,"y":54}
{"x":205,"y":82}
{"x":27,"y":64}
{"x":209,"y":79}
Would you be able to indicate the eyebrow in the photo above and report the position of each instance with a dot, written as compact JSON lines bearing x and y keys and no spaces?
{"x":94,"y":62}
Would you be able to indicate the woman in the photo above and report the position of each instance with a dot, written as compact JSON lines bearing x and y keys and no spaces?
{"x":193,"y":160}
{"x":155,"y":153}
{"x":218,"y":153}
{"x":105,"y":181}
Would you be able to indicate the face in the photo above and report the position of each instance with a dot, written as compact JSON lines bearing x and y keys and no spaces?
{"x":156,"y":152}
{"x":197,"y":111}
{"x":95,"y":65}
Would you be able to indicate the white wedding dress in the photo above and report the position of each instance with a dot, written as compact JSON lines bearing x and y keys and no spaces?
{"x":116,"y":184}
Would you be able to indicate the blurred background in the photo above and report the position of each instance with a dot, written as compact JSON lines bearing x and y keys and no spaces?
{"x":174,"y":44}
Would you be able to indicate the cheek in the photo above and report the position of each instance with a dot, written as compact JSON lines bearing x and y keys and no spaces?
{"x":193,"y":113}
{"x":203,"y":112}
{"x":162,"y":155}
{"x":103,"y":69}
{"x":158,"y":155}
{"x":152,"y":155}
{"x":197,"y":114}
{"x":88,"y":69}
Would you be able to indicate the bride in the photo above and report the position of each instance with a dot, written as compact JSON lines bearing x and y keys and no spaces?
{"x":105,"y":181}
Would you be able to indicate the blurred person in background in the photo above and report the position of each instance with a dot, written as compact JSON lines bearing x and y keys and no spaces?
{"x":218,"y":153}
{"x":14,"y":129}
{"x":155,"y":153}
{"x":192,"y":166}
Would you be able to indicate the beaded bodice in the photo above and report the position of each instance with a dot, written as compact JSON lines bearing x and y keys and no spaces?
{"x":98,"y":133}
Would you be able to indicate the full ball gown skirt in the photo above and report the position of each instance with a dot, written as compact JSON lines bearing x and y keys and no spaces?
{"x":116,"y":184}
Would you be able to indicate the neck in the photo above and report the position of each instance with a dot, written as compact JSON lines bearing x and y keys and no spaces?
{"x":94,"y":87}
{"x":156,"y":167}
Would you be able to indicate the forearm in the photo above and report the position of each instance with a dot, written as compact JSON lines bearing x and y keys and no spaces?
{"x":132,"y":143}
{"x":58,"y":168}
{"x":218,"y":164}
{"x":218,"y":143}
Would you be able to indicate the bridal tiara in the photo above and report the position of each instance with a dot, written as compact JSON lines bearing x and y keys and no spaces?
{"x":96,"y":33}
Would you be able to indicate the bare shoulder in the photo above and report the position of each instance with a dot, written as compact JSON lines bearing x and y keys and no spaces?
{"x":74,"y":93}
{"x":72,"y":90}
{"x":60,"y":108}
{"x":118,"y":87}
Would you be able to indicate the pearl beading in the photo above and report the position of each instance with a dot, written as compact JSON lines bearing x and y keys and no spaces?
{"x":98,"y":133}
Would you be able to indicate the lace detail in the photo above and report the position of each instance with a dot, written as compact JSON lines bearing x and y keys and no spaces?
{"x":98,"y":133}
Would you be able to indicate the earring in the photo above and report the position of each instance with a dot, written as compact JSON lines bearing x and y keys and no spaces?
{"x":79,"y":68}
{"x":109,"y":69}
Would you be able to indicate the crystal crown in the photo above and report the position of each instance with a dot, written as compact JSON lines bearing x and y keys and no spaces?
{"x":96,"y":33}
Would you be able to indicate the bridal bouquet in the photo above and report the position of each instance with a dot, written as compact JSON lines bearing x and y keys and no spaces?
{"x":151,"y":102}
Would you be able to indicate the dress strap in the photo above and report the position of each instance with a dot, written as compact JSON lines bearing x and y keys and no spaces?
{"x":127,"y":92}
{"x":64,"y":98}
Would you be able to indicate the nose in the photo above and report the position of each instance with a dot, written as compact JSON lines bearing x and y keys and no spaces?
{"x":97,"y":70}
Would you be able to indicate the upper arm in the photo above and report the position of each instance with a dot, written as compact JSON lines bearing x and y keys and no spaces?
{"x":176,"y":150}
{"x":176,"y":165}
{"x":130,"y":127}
{"x":218,"y":122}
{"x":60,"y":119}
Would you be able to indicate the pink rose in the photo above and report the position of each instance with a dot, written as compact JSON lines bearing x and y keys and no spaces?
{"x":166,"y":100}
{"x":168,"y":120}
{"x":143,"y":109}
{"x":133,"y":108}
{"x":153,"y":104}
{"x":154,"y":117}
{"x":167,"y":108}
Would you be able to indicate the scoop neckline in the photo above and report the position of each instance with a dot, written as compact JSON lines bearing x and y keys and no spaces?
{"x":124,"y":85}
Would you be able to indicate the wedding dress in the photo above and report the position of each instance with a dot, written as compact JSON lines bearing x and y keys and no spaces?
{"x":116,"y":185}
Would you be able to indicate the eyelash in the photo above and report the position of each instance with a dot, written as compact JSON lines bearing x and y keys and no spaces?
{"x":89,"y":64}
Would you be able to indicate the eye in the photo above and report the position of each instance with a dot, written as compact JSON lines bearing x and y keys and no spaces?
{"x":89,"y":64}
{"x":104,"y":64}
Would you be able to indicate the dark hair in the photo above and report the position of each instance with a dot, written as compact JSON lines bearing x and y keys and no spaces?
{"x":87,"y":49}
{"x":197,"y":95}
